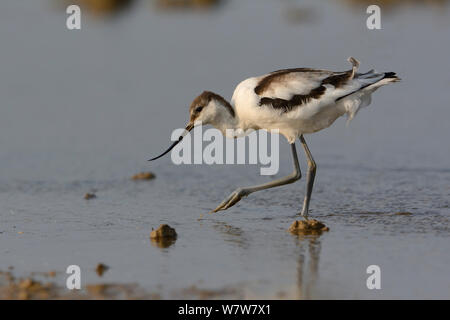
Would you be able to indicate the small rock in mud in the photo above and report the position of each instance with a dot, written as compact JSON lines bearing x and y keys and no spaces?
{"x":307,"y":227}
{"x":101,"y":269}
{"x":89,"y":196}
{"x":403,"y":213}
{"x":163,"y":232}
{"x":143,"y":176}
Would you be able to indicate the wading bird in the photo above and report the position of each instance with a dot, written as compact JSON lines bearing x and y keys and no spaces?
{"x":294,"y":102}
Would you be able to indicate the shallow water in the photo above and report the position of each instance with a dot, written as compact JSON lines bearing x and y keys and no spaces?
{"x":84,"y":110}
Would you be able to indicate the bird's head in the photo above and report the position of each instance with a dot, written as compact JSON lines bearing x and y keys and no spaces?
{"x":207,"y":108}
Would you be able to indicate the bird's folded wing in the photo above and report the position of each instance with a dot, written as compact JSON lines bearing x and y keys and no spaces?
{"x":283,"y":84}
{"x":290,"y":88}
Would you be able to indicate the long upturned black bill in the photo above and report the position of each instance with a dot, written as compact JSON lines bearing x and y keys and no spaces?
{"x":188,"y":128}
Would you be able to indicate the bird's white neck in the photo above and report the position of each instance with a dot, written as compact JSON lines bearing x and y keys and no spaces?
{"x":226,"y":121}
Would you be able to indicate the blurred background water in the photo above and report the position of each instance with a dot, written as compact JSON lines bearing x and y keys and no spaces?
{"x":83,"y":110}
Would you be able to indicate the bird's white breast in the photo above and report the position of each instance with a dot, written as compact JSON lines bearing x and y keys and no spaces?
{"x":311,"y":117}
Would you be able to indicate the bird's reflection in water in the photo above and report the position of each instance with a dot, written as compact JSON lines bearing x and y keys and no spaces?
{"x":233,"y":235}
{"x":308,"y":264}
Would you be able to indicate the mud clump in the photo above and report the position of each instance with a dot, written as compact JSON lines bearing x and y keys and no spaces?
{"x":143,"y":176}
{"x":101,"y":269}
{"x":28,"y":288}
{"x":164,"y":236}
{"x":164,"y":231}
{"x":307,"y":227}
{"x":89,"y":196}
{"x":24,"y":289}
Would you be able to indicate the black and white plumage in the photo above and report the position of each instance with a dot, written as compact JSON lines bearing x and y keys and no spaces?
{"x":304,"y":100}
{"x":292,"y":101}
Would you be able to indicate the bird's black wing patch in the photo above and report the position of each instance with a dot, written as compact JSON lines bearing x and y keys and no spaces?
{"x":336,"y":79}
{"x":296,"y":100}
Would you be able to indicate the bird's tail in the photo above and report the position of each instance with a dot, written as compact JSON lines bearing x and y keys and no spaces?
{"x":373,"y":77}
{"x":391,"y":77}
{"x":370,"y":81}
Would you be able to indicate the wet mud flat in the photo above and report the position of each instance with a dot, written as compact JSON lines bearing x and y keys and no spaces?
{"x":47,"y":285}
{"x":134,"y":241}
{"x":39,"y":286}
{"x":272,"y":254}
{"x":42,"y":288}
{"x":382,"y":185}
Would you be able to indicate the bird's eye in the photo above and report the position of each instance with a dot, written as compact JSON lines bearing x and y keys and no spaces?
{"x":198,"y":109}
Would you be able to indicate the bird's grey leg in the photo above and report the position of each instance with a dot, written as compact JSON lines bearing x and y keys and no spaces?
{"x":239,"y":193}
{"x":310,"y":175}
